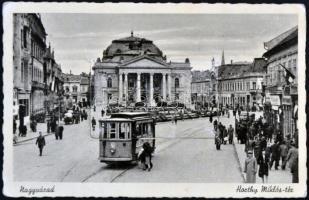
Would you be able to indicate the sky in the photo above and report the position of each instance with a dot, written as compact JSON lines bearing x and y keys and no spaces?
{"x":79,"y":39}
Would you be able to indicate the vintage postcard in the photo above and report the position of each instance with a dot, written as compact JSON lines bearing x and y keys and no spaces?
{"x":154,"y":100}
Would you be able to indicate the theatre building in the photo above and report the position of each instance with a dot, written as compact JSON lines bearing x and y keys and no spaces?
{"x":134,"y":69}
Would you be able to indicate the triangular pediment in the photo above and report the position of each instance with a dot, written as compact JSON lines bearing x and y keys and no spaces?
{"x":145,"y":62}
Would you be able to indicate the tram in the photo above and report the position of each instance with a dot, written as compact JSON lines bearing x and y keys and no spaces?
{"x":123,"y":135}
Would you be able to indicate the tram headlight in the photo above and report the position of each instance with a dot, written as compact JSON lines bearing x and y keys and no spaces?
{"x":113,"y":148}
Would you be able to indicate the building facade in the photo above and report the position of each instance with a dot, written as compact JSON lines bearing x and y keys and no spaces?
{"x":22,"y":70}
{"x":201,"y":89}
{"x":37,"y":76}
{"x":38,"y":47}
{"x":76,"y":88}
{"x":281,"y":96}
{"x":133,"y":69}
{"x":28,"y":58}
{"x":240,"y":84}
{"x":53,"y":80}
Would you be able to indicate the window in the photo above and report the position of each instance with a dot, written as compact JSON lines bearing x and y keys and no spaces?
{"x":109,"y":82}
{"x":74,"y":88}
{"x":24,"y":35}
{"x":110,"y":96}
{"x":22,"y":71}
{"x":254,"y":85}
{"x":176,"y":82}
{"x":124,"y":131}
{"x":112,"y":130}
{"x":21,"y":38}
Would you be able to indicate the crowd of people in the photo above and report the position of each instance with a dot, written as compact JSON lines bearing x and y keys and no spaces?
{"x":266,"y":148}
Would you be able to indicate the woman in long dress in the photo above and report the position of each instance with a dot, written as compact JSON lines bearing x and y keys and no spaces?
{"x":250,"y":168}
{"x":263,"y":161}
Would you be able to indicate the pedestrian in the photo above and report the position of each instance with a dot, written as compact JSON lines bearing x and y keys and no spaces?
{"x":250,"y":168}
{"x":263,"y":160}
{"x":142,"y":158}
{"x":210,"y":117}
{"x":24,"y":130}
{"x":60,"y":131}
{"x":269,"y":133}
{"x":283,"y":154}
{"x":275,"y":155}
{"x":86,"y":115}
{"x":175,"y":120}
{"x":56,"y":131}
{"x":20,"y":129}
{"x":249,"y":145}
{"x":94,"y":108}
{"x":102,"y":112}
{"x":294,"y":170}
{"x":225,"y":135}
{"x":40,"y":141}
{"x":14,"y":126}
{"x":35,"y":123}
{"x":215,"y":124}
{"x":48,"y":126}
{"x":239,"y":112}
{"x":148,"y":155}
{"x":292,"y":155}
{"x":93,"y":122}
{"x":231,"y":134}
{"x":257,"y":147}
{"x":217,"y":139}
{"x":263,"y":143}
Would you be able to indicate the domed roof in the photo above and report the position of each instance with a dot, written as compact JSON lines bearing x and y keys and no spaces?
{"x":129,"y":47}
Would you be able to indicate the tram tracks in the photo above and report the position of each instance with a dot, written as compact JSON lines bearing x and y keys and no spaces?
{"x":165,"y":143}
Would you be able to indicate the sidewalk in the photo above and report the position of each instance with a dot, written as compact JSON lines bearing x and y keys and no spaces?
{"x":274,"y":176}
{"x":33,"y":135}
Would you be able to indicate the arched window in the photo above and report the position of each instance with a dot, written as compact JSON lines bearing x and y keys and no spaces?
{"x":67,"y":89}
{"x":74,"y":88}
{"x":109,"y":82}
{"x":176,"y":82}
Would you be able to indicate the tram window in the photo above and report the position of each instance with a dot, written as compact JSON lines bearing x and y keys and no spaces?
{"x":124,"y":131}
{"x":105,"y":131}
{"x":112,"y":130}
{"x":138,"y":130}
{"x":145,"y":130}
{"x":128,"y":131}
{"x":149,"y":129}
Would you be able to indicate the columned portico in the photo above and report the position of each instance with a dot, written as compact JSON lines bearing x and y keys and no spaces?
{"x":120,"y":88}
{"x":151,"y":90}
{"x":139,"y":73}
{"x":169,"y":89}
{"x":125,"y":86}
{"x":164,"y":86}
{"x":138,"y":88}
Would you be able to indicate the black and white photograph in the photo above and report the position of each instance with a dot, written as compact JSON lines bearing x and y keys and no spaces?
{"x":151,"y":100}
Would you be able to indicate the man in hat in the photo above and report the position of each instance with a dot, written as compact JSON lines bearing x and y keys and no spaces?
{"x":250,"y":168}
{"x":275,"y":155}
{"x":40,"y":141}
{"x":292,"y":154}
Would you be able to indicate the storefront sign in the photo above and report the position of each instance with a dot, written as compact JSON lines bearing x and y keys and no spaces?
{"x":286,"y":100}
{"x":274,"y":100}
